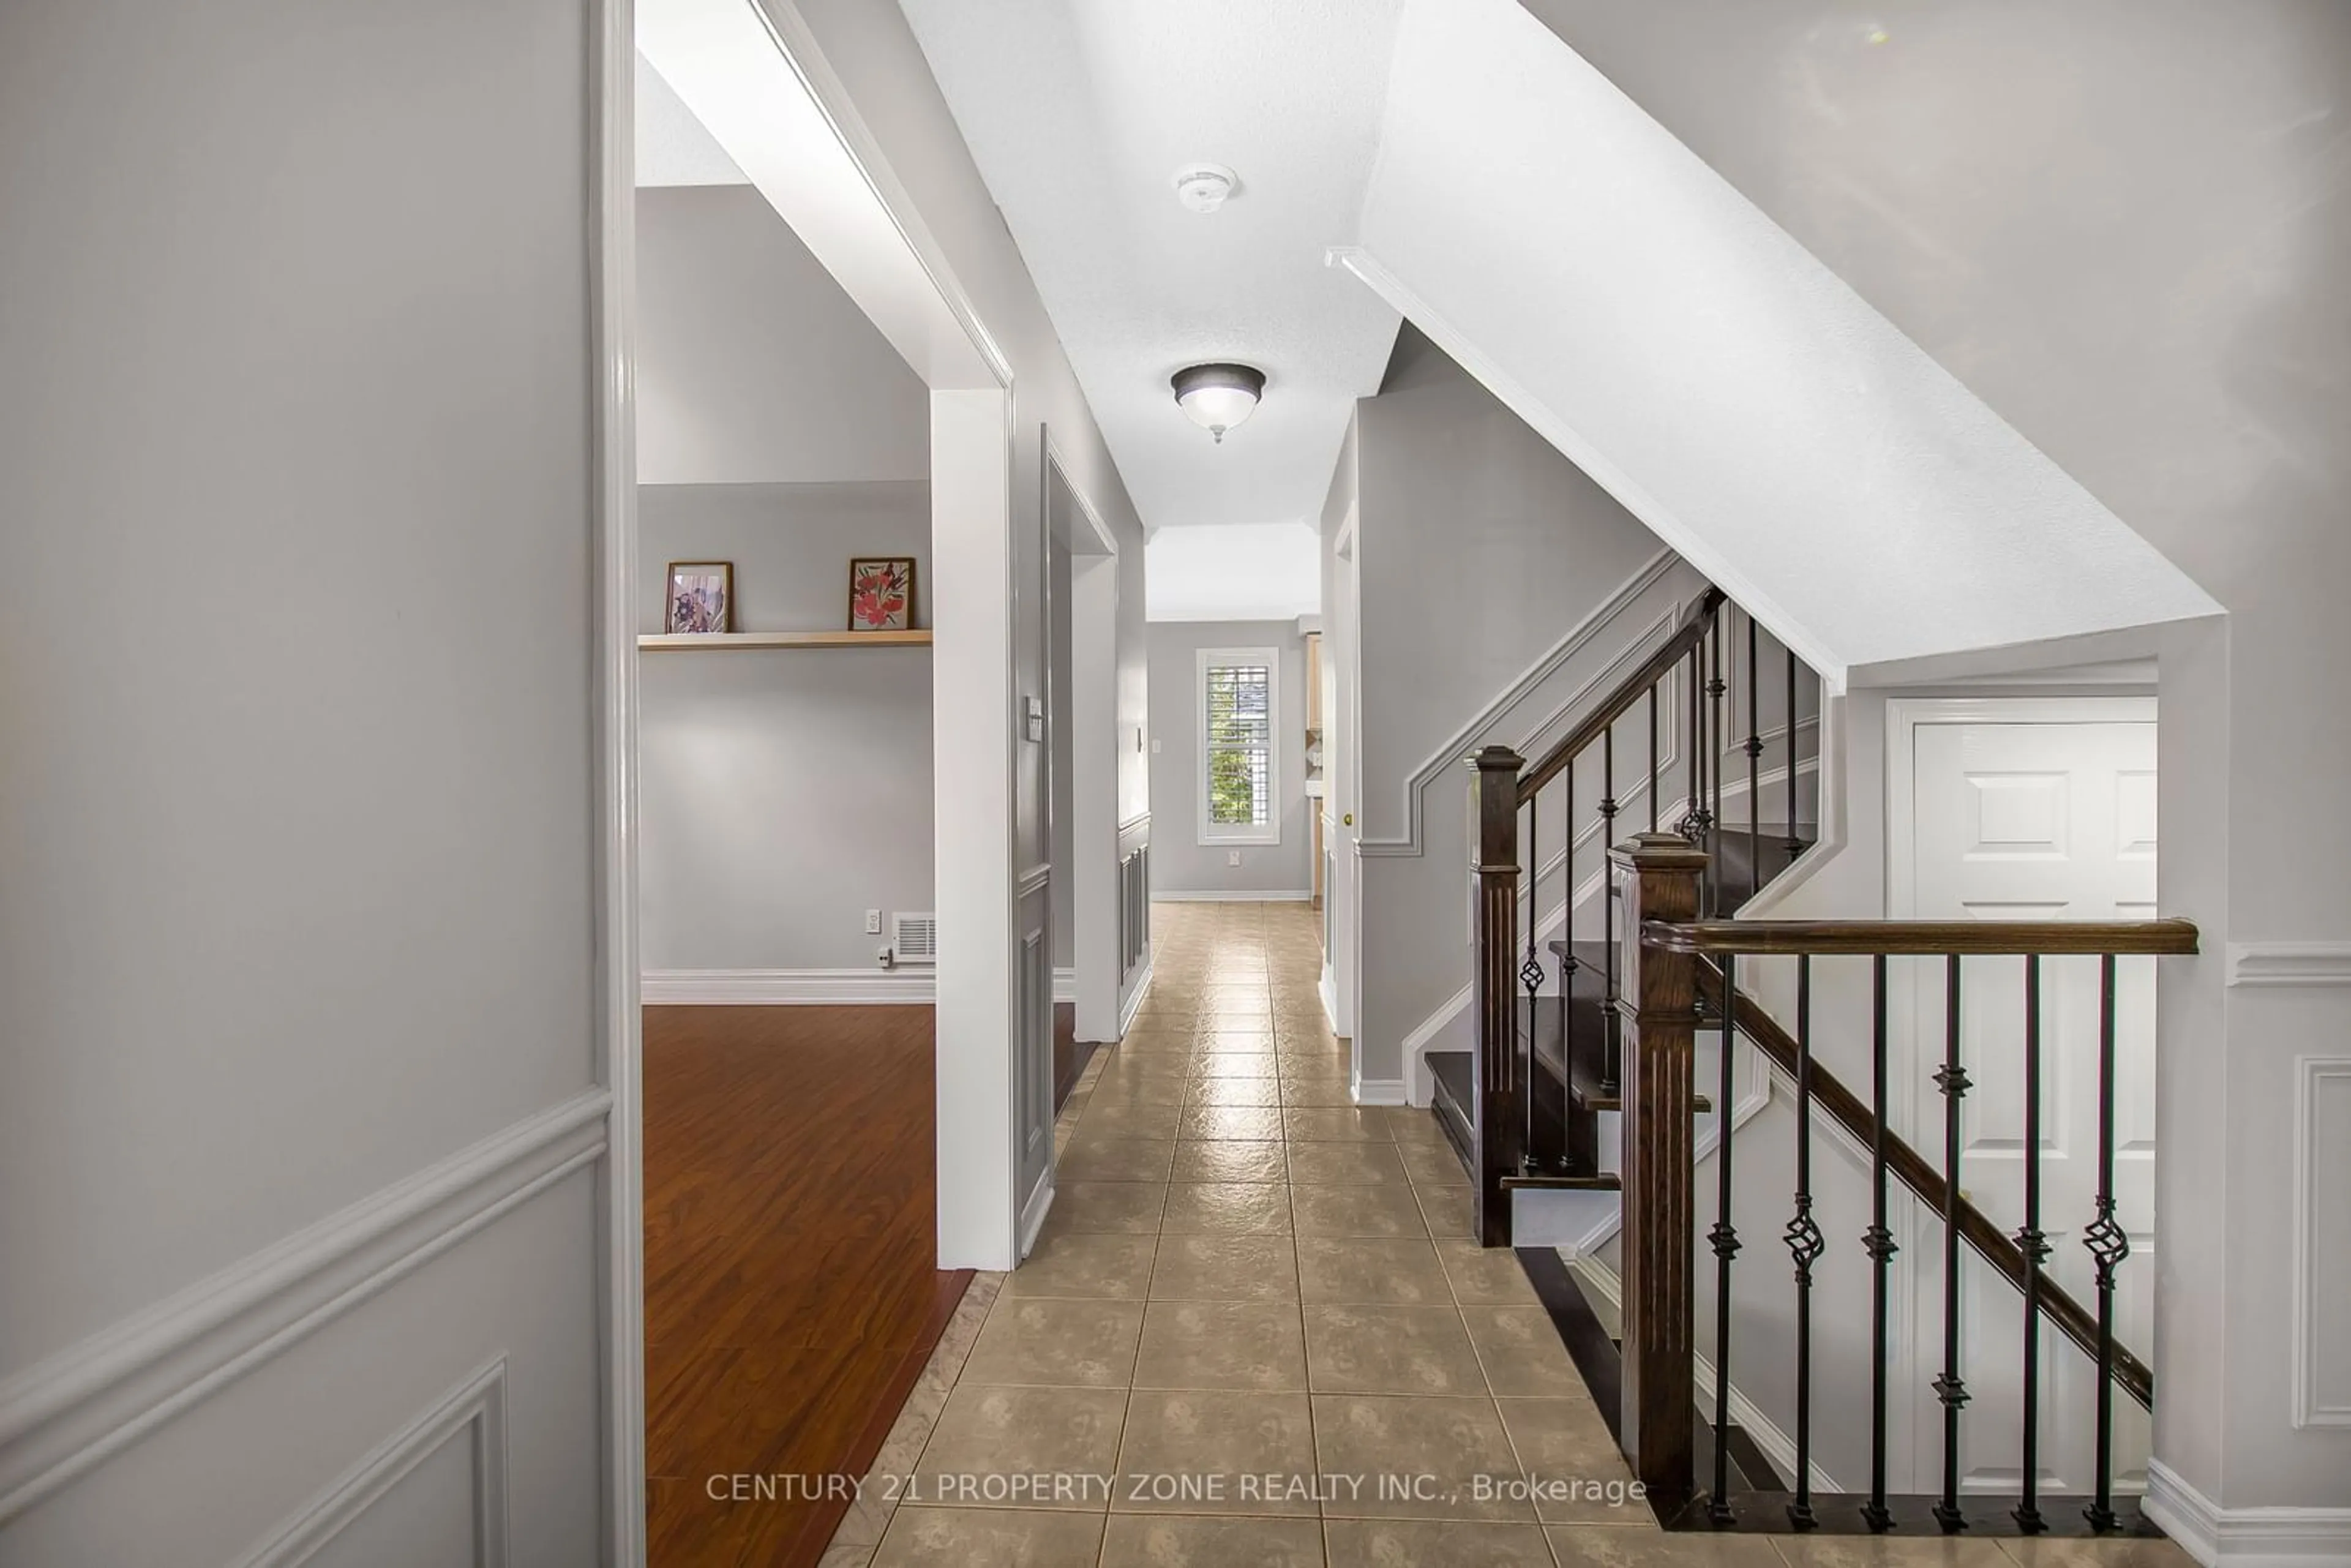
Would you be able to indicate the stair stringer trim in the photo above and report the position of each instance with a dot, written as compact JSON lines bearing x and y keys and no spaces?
{"x":1446,"y":759}
{"x":1777,"y":1446}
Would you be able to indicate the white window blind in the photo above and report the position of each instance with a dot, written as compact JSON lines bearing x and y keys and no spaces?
{"x":1236,"y":745}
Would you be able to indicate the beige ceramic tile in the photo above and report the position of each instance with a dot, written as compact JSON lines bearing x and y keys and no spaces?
{"x":1319,"y":1089}
{"x":1117,"y":1159}
{"x":1485,"y":1275}
{"x":1224,"y":1268}
{"x":1357,"y":1271}
{"x":1251,"y":1124}
{"x":1606,"y":1546}
{"x":990,"y":1538}
{"x":1345,"y":1164}
{"x":2046,"y":1554}
{"x":1237,"y":1063}
{"x":1449,"y":1456}
{"x":1257,"y":1346}
{"x":1061,"y":1342}
{"x":1432,"y":1165}
{"x":1421,"y":1351}
{"x":1205,"y":1451}
{"x":1092,"y":1206}
{"x":1889,"y":1552}
{"x":1447,"y":1211}
{"x":988,"y":1437}
{"x":1310,"y":1124}
{"x":1564,"y":1445}
{"x":1521,"y":1351}
{"x":1234,"y":1091}
{"x":1358,"y":1212}
{"x":1105,"y":1265}
{"x":1425,"y":1543}
{"x":1129,"y":1119}
{"x":1227,"y":1208}
{"x":1230,"y":1160}
{"x":847,"y":1553}
{"x":1174,"y":1540}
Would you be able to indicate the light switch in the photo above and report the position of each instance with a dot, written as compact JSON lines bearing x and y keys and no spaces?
{"x":1154,"y":748}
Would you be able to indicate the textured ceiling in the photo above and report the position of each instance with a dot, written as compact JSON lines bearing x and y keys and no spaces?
{"x":672,"y":147}
{"x":1079,"y":112}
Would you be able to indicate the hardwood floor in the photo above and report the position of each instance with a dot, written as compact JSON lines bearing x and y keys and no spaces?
{"x":791,"y":1289}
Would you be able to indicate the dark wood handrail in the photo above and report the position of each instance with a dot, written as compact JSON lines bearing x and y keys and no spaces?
{"x":1908,"y":1167}
{"x":1695,"y":617}
{"x":1966,"y":939}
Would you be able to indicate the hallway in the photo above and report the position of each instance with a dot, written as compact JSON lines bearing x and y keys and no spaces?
{"x":1250,"y":1303}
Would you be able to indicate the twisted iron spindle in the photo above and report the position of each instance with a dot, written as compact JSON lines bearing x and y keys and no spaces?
{"x":1794,"y":844}
{"x":2109,"y":1244}
{"x":1715,"y":689}
{"x":1952,"y":1080}
{"x":1878,"y":1243}
{"x":2034,"y":1245}
{"x":1805,"y":1246}
{"x":1653,"y":755}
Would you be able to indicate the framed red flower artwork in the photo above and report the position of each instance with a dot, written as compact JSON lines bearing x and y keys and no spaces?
{"x":882,"y":593}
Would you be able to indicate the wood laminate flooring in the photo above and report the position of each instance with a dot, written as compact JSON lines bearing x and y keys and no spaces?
{"x":792,"y":1293}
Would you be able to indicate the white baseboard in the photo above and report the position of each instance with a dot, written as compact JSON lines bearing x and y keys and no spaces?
{"x":1247,"y":895}
{"x":789,"y":988}
{"x":1378,"y":1091}
{"x":1133,"y":1003}
{"x":1065,"y":985}
{"x":2244,"y":1537}
{"x":1034,"y":1212}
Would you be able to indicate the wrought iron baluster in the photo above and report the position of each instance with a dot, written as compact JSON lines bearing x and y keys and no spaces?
{"x":1796,"y":843}
{"x":2109,"y":1244}
{"x":1694,"y":811}
{"x":1804,"y":1246}
{"x":2034,"y":1245}
{"x":1754,"y":765}
{"x":1611,"y":1043}
{"x":1715,"y":735}
{"x":1724,"y":1236}
{"x":1530,"y":973}
{"x":1952,"y":1080}
{"x":1580,"y":1151}
{"x":1878,"y":1243}
{"x":1653,"y":755}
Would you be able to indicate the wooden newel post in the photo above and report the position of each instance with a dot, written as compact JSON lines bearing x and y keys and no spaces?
{"x":1494,"y":849}
{"x":1657,"y":1005}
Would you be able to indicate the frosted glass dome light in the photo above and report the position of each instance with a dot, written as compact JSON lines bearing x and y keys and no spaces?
{"x":1218,"y":397}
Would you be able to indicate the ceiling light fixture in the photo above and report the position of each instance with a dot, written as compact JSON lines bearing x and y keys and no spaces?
{"x":1218,"y":397}
{"x":1203,"y":187}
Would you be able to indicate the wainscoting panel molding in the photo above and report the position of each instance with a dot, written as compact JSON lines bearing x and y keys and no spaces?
{"x":473,"y":1412}
{"x":62,"y":1418}
{"x":2321,"y":1241}
{"x":2290,"y":962}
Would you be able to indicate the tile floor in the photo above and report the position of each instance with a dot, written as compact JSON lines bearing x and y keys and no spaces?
{"x":1254,"y":1330}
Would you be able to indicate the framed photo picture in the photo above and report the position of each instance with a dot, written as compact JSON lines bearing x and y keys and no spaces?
{"x":701,"y":596}
{"x":882,"y":593}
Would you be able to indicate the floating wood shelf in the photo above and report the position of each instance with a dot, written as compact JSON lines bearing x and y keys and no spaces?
{"x":666,"y":642}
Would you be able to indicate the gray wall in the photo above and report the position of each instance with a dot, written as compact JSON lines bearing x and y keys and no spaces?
{"x":2123,"y":225}
{"x":1064,"y":758}
{"x":753,"y":365}
{"x":296,"y":833}
{"x":1480,"y":547}
{"x":785,"y":791}
{"x":1179,"y":861}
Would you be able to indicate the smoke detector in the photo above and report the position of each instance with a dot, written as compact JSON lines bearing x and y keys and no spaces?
{"x":1203,"y":187}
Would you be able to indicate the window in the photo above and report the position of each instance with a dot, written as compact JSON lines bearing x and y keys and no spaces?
{"x":1239,"y":719}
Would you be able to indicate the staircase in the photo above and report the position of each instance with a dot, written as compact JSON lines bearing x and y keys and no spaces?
{"x":1606,"y":1026}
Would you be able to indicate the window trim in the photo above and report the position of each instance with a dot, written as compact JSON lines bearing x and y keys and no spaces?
{"x":1224,"y":658}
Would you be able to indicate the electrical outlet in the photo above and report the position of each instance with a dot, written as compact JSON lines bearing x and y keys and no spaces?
{"x":1232,"y":857}
{"x":1154,"y":748}
{"x":873,"y":923}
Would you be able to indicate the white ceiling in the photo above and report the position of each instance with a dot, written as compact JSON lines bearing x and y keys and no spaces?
{"x":1079,"y":112}
{"x":673,"y":148}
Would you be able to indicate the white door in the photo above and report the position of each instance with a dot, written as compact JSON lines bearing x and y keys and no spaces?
{"x":2016,"y":820}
